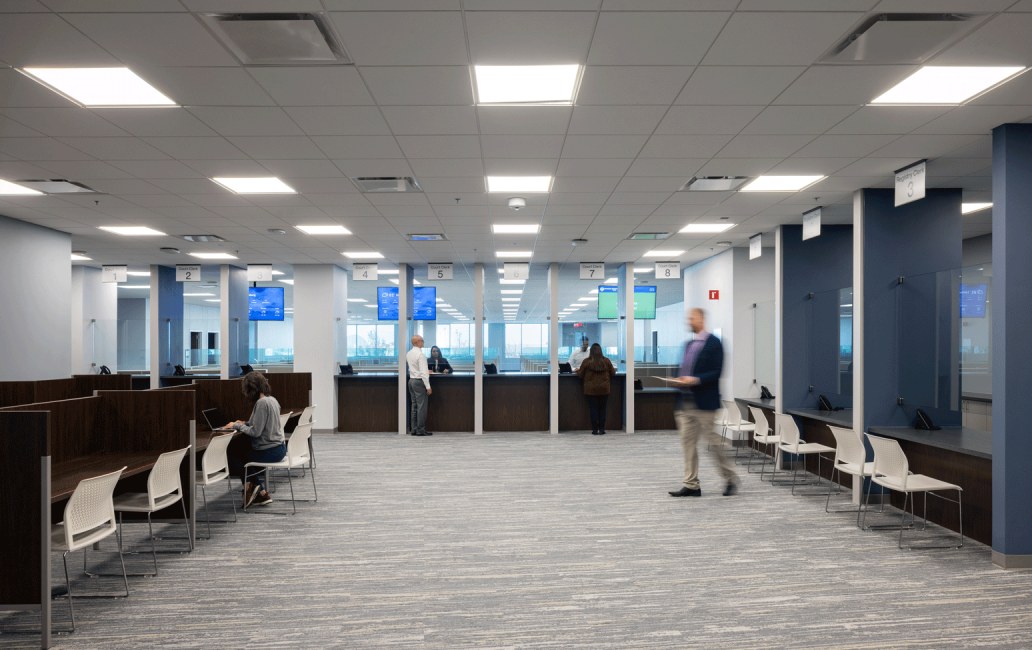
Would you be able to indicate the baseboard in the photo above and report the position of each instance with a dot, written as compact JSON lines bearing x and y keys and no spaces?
{"x":1012,"y":562}
{"x":324,"y":431}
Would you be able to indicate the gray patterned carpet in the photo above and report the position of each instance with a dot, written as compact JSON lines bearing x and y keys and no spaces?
{"x":537,"y":541}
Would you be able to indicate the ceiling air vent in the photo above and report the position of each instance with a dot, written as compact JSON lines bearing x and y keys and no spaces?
{"x":387,"y":184}
{"x":200,"y":238}
{"x":650,"y":236}
{"x":57,"y":186}
{"x":279,"y":38}
{"x":427,"y":237}
{"x":901,"y":38}
{"x":713,"y":183}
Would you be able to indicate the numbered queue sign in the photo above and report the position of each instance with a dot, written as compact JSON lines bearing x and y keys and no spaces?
{"x":364,"y":272}
{"x":668,"y":270}
{"x":592,"y":270}
{"x":439,"y":271}
{"x":188,"y":272}
{"x":259,"y":272}
{"x":516,"y":271}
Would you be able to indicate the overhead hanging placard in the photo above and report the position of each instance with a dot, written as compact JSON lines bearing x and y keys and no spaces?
{"x":114,"y":273}
{"x":259,"y":272}
{"x":363,"y":272}
{"x":516,"y":270}
{"x":755,"y":246}
{"x":188,"y":272}
{"x":910,"y":183}
{"x":439,"y":271}
{"x":668,"y":270}
{"x":811,"y":224}
{"x":592,"y":270}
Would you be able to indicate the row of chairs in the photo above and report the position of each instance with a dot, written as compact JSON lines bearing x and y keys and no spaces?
{"x":89,"y":515}
{"x":889,"y":468}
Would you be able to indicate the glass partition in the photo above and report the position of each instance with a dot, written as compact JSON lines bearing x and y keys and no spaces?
{"x":929,"y":312}
{"x":271,"y":342}
{"x":831,"y":342}
{"x":372,"y":343}
{"x":764,"y":372}
{"x":452,"y":329}
{"x":658,"y":341}
{"x":976,"y":339}
{"x":516,"y":320}
{"x":101,"y":339}
{"x":580,"y":302}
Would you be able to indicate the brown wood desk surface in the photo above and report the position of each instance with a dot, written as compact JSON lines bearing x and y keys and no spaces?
{"x":67,"y":475}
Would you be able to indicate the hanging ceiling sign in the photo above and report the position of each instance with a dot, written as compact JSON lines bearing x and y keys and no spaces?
{"x":811,"y":224}
{"x":755,"y":246}
{"x":910,"y":183}
{"x":114,"y":273}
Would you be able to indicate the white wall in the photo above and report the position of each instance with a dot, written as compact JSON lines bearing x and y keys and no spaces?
{"x":754,"y":283}
{"x":320,"y":298}
{"x":35,"y":263}
{"x":93,"y":342}
{"x":716,"y":273}
{"x":133,"y":333}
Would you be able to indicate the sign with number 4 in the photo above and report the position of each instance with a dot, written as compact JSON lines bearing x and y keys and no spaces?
{"x":668,"y":270}
{"x":439,"y":271}
{"x":363,"y":272}
{"x":188,"y":272}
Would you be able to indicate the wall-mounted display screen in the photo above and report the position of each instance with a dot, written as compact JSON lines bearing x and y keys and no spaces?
{"x":607,"y":301}
{"x":387,"y":303}
{"x":424,"y":303}
{"x":609,"y":297}
{"x":265,"y":303}
{"x":644,"y":302}
{"x":972,"y":300}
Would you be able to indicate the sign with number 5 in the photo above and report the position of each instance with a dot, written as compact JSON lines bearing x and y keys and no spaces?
{"x":439,"y":271}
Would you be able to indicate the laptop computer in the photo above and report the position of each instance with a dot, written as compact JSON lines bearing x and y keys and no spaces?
{"x":215,"y":419}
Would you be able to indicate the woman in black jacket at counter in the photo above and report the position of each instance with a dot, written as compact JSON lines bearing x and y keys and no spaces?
{"x":437,"y":363}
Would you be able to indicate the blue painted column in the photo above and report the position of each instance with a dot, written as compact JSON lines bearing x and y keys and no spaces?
{"x":1012,"y":312}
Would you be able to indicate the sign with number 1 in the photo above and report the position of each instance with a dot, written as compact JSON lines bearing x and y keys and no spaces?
{"x":114,"y":273}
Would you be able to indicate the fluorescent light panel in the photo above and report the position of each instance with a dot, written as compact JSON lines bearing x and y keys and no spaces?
{"x":780,"y":184}
{"x":290,"y":282}
{"x":514,"y":254}
{"x":704,"y":227}
{"x":131,"y":231}
{"x":519,"y":183}
{"x":142,"y":274}
{"x":9,"y":188}
{"x":516,"y":229}
{"x":80,"y":258}
{"x":214,"y":256}
{"x":526,"y":84}
{"x":657,"y":252}
{"x":264,"y":185}
{"x":515,"y":292}
{"x":190,"y":295}
{"x":357,"y":300}
{"x":504,"y":281}
{"x":365,"y":255}
{"x":100,"y":86}
{"x":968,"y":208}
{"x":646,"y":269}
{"x":324,"y":230}
{"x":134,"y":286}
{"x":946,"y":84}
{"x":213,"y":300}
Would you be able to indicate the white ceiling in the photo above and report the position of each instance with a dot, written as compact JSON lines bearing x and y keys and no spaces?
{"x":728,"y":87}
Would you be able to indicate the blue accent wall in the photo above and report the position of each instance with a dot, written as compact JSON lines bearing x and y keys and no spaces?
{"x":903,"y":324}
{"x":1012,"y":313}
{"x":810,"y":327}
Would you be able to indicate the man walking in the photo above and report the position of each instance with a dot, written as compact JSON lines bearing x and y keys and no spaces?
{"x":701,"y":366}
{"x":418,"y":387}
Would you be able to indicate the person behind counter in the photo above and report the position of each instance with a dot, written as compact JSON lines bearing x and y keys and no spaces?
{"x":596,"y":371}
{"x":437,"y":362}
{"x":267,"y":441}
{"x":578,"y":356}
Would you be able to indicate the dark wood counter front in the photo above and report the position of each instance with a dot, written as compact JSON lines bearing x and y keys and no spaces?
{"x":516,"y":402}
{"x":367,"y":403}
{"x":451,"y":403}
{"x":654,"y":409}
{"x":574,"y":414}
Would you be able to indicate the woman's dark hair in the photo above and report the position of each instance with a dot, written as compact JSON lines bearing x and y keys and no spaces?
{"x":596,"y":360}
{"x":434,"y":347}
{"x":255,"y":385}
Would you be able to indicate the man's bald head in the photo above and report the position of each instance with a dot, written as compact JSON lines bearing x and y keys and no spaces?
{"x":417,"y":341}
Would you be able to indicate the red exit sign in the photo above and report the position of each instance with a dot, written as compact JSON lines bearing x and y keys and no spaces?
{"x":714,"y":294}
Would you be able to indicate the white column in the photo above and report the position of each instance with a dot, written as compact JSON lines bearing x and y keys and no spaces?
{"x":858,"y":326}
{"x":629,"y":364}
{"x":94,"y":321}
{"x":233,"y":320}
{"x":320,"y":303}
{"x":779,"y":266}
{"x":403,"y":344}
{"x":478,"y":354}
{"x":553,"y":347}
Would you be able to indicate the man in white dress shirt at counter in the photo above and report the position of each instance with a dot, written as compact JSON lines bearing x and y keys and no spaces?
{"x":418,"y":387}
{"x":578,"y":356}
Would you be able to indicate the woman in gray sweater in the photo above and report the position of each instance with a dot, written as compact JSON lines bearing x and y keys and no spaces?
{"x":267,"y":442}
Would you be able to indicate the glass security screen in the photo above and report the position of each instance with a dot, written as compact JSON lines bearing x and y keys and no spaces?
{"x":607,"y":300}
{"x":645,"y":302}
{"x":265,"y":303}
{"x":972,"y":300}
{"x":387,"y":303}
{"x":424,"y":303}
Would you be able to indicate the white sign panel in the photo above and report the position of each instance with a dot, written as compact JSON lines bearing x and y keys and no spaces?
{"x":259,"y":272}
{"x":812,"y":224}
{"x":363,"y":272}
{"x":910,"y":183}
{"x":439,"y":271}
{"x":516,"y":270}
{"x":592,"y":270}
{"x":755,"y":246}
{"x":188,"y":272}
{"x":668,"y":270}
{"x":114,"y":273}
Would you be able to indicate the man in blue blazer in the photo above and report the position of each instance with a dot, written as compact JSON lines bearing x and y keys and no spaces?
{"x":699,"y":380}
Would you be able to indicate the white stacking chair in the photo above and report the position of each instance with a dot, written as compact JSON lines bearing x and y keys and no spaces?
{"x":792,"y":443}
{"x":891,"y":470}
{"x":164,"y":488}
{"x":296,"y":457}
{"x":89,"y":516}
{"x":308,"y":417}
{"x":721,"y":422}
{"x":763,"y":435}
{"x":850,"y":458}
{"x":734,"y":421}
{"x":283,"y":420}
{"x":215,"y":468}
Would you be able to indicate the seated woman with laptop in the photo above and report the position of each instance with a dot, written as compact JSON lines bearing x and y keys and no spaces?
{"x":267,"y":440}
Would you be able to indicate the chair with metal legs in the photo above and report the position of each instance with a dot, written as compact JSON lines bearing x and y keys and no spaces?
{"x":89,"y":516}
{"x":215,"y":468}
{"x":792,"y":443}
{"x":721,"y":422}
{"x":296,"y":456}
{"x":891,"y":470}
{"x":734,"y":422}
{"x":850,"y":458}
{"x":164,"y":488}
{"x":762,"y":435}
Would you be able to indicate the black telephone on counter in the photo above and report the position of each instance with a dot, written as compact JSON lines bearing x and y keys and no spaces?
{"x":104,"y":370}
{"x":764,"y":393}
{"x":825,"y":405}
{"x":490,"y":369}
{"x":346,"y":369}
{"x":180,"y":371}
{"x":924,"y":422}
{"x":246,"y":369}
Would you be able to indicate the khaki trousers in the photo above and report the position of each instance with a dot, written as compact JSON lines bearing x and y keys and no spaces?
{"x":694,"y":423}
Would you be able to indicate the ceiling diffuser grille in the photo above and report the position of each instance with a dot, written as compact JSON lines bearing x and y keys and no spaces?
{"x":387,"y":184}
{"x":901,"y":38}
{"x":278,"y":38}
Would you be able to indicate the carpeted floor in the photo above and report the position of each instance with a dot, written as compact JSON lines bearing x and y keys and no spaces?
{"x":538,"y":541}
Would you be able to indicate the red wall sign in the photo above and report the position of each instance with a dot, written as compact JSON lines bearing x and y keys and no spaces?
{"x":714,"y":294}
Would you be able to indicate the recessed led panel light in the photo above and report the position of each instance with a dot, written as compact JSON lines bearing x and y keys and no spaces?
{"x":504,"y":281}
{"x":510,"y":299}
{"x":141,"y":274}
{"x":511,"y":291}
{"x":515,"y":229}
{"x":7,"y":187}
{"x":357,"y":300}
{"x":324,"y":230}
{"x":80,"y":258}
{"x":100,"y":86}
{"x":780,"y":183}
{"x":134,"y":286}
{"x":213,"y":300}
{"x":394,"y":280}
{"x":516,"y":254}
{"x":265,"y":185}
{"x":290,"y":282}
{"x":578,"y":304}
{"x":946,"y":84}
{"x":589,"y":298}
{"x":705,"y":227}
{"x":646,"y":269}
{"x":277,"y":272}
{"x":967,"y":208}
{"x":365,"y":255}
{"x":131,"y":231}
{"x":526,"y":84}
{"x":663,"y":252}
{"x":188,"y":295}
{"x":608,"y":281}
{"x":518,"y":183}
{"x":214,"y":256}
{"x":387,"y":271}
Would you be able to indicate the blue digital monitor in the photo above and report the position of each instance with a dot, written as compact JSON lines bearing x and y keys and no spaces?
{"x":607,"y":297}
{"x":387,"y":303}
{"x":644,"y":302}
{"x":265,"y":303}
{"x":972,"y":300}
{"x":424,"y":303}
